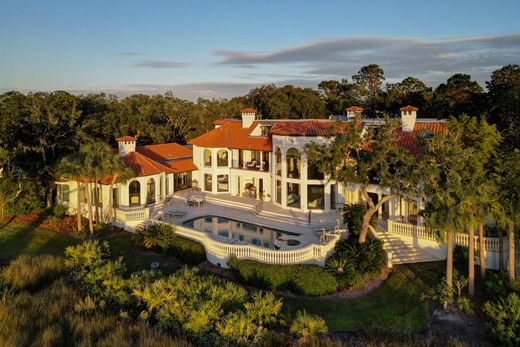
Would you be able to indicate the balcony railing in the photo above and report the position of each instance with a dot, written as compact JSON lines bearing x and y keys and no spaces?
{"x":132,"y":214}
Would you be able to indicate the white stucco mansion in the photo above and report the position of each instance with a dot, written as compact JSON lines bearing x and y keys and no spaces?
{"x":249,"y":158}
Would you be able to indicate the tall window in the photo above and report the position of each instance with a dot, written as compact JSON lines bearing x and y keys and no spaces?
{"x":278,"y":155}
{"x":64,"y":192}
{"x":293,"y":195}
{"x":222,"y":158}
{"x":97,"y":193}
{"x":207,"y":157}
{"x":208,"y":182}
{"x":150,"y":191}
{"x":167,"y":185}
{"x":293,"y":163}
{"x":333,"y":194}
{"x":83,"y":193}
{"x":316,"y":197}
{"x":115,"y":197}
{"x":278,"y":191}
{"x":222,"y":183}
{"x":313,"y":172}
{"x":134,"y":192}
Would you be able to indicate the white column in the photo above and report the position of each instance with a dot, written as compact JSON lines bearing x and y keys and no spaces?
{"x":380,"y":210}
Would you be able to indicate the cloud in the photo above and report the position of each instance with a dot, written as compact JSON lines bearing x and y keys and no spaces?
{"x":430,"y":59}
{"x":159,"y":64}
{"x":128,"y":53}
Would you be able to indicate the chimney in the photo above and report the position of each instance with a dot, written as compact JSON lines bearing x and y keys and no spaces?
{"x":408,"y":117}
{"x":248,"y":117}
{"x":354,"y":111}
{"x":126,"y":145}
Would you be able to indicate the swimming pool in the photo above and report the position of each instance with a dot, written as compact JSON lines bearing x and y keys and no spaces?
{"x":237,"y":230}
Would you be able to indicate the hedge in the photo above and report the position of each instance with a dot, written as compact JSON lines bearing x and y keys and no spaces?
{"x":189,"y":251}
{"x":310,"y":280}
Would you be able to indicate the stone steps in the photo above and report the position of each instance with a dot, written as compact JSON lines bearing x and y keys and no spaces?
{"x":403,"y":252}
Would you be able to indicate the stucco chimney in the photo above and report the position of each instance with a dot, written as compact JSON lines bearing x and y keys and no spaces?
{"x":408,"y":117}
{"x":354,"y":111}
{"x":126,"y":145}
{"x":248,"y":117}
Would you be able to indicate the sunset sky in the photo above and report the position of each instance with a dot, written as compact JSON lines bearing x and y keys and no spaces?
{"x":224,"y":48}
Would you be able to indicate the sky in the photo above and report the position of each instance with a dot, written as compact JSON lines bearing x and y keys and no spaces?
{"x":225,"y":48}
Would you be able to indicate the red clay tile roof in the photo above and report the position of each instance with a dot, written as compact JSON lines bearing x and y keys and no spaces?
{"x":144,"y":166}
{"x":408,"y":108}
{"x":248,"y":110}
{"x":165,"y":151}
{"x":408,"y":139}
{"x":125,"y":138}
{"x":303,"y":128}
{"x":231,"y":134}
{"x":181,"y":165}
{"x":355,"y":108}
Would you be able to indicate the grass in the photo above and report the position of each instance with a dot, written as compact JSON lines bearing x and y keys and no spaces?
{"x":396,"y":303}
{"x":17,"y":239}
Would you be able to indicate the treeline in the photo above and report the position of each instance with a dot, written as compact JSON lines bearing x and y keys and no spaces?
{"x":37,"y":129}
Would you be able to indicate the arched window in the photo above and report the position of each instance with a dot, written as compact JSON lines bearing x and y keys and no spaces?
{"x":222,"y":158}
{"x":150,"y":191}
{"x":134,"y":192}
{"x":207,"y":157}
{"x":278,"y":156}
{"x":293,"y":163}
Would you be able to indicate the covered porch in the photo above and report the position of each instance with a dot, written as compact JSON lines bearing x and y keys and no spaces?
{"x":250,"y":160}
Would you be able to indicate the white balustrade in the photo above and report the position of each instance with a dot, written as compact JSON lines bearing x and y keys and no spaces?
{"x":420,"y":232}
{"x":125,"y":215}
{"x":313,"y":253}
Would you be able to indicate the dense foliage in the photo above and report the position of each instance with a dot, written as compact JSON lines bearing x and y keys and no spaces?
{"x":309,"y":280}
{"x":162,"y":237}
{"x":37,"y":129}
{"x":352,"y":262}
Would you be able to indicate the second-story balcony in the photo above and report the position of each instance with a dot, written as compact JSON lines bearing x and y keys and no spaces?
{"x":252,"y":160}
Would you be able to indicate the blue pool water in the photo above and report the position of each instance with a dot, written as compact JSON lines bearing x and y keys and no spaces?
{"x":237,"y":230}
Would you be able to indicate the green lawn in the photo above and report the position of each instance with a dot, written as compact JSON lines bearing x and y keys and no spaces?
{"x":396,"y":303}
{"x":17,"y":239}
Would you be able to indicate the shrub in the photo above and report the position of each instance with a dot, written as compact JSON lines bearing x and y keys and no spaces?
{"x":308,"y":327}
{"x":301,"y":279}
{"x":86,"y":256}
{"x":503,"y":317}
{"x":32,"y":271}
{"x":161,"y":237}
{"x":56,"y":213}
{"x":353,"y":262}
{"x":102,"y":229}
{"x":156,"y":235}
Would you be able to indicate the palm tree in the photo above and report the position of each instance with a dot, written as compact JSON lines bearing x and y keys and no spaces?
{"x":443,"y":213}
{"x":307,"y":326}
{"x":72,"y":167}
{"x":117,"y":172}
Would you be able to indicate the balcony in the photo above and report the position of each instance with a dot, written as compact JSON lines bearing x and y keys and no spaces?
{"x":132,"y":215}
{"x":252,"y":160}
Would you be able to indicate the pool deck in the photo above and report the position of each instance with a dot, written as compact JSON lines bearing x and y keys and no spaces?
{"x":253,"y":211}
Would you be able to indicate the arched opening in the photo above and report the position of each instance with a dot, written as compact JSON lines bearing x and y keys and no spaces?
{"x":150,"y":191}
{"x":278,"y":156}
{"x":134,"y":192}
{"x":207,"y":157}
{"x":222,"y":158}
{"x":293,"y":163}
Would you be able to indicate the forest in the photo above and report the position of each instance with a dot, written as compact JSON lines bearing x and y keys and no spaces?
{"x":37,"y":129}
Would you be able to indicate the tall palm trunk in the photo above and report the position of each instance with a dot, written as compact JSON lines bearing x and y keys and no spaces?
{"x":471,"y":260}
{"x":511,"y":265}
{"x":449,"y":263}
{"x":500,"y":249}
{"x":89,"y":202}
{"x":78,"y":198}
{"x":111,"y":197}
{"x":481,"y":251}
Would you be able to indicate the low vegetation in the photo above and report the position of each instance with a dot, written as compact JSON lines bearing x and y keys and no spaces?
{"x":310,"y":280}
{"x":29,"y":272}
{"x":162,"y":238}
{"x":353,"y":263}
